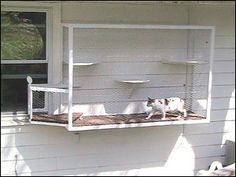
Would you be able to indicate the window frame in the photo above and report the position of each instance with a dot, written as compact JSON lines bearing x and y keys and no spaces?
{"x":48,"y":51}
{"x":54,"y":46}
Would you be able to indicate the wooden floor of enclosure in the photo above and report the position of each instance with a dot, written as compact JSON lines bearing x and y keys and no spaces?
{"x":79,"y":121}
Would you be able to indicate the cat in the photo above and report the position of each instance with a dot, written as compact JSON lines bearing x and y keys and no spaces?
{"x":171,"y":104}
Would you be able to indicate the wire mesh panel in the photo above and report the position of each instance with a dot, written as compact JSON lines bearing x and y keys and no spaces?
{"x":38,"y":99}
{"x":199,"y":72}
{"x":138,"y":53}
{"x":44,"y":97}
{"x":197,"y":88}
{"x":200,"y":88}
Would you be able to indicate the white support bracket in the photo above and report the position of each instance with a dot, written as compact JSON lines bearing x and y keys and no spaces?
{"x":134,"y":83}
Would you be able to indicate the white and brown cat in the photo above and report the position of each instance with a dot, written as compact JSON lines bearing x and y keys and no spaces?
{"x":171,"y":104}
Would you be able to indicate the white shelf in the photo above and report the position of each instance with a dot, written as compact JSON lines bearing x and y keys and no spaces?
{"x":134,"y":84}
{"x":187,"y":62}
{"x":133,"y":81}
{"x":82,"y":63}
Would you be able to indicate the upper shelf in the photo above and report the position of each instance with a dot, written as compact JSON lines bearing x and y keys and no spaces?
{"x":187,"y":62}
{"x":81,"y":63}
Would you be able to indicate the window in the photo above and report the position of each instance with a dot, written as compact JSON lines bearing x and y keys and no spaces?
{"x":23,"y":52}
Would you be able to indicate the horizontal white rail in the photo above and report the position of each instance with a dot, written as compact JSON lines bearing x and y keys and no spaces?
{"x":49,"y":89}
{"x":133,"y":125}
{"x":23,"y":61}
{"x":134,"y":26}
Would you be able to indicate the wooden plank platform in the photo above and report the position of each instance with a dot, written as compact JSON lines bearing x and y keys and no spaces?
{"x":110,"y":119}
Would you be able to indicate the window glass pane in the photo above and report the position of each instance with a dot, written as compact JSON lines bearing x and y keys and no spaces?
{"x":23,"y":35}
{"x":14,"y":94}
{"x":14,"y":85}
{"x":24,"y":69}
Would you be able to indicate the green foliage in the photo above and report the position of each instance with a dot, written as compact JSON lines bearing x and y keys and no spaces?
{"x":20,"y":39}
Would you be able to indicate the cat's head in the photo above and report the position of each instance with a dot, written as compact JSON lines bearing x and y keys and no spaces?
{"x":150,"y":101}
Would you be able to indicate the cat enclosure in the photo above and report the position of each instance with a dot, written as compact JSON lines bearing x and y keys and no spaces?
{"x":109,"y":71}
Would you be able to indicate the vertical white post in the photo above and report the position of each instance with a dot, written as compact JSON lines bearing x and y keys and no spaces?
{"x":210,"y":72}
{"x":30,"y":102}
{"x":70,"y":75}
{"x":30,"y":98}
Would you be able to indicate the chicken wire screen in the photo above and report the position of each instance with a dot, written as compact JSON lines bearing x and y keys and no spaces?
{"x":38,"y":100}
{"x":41,"y":100}
{"x":126,"y":54}
{"x":196,"y":89}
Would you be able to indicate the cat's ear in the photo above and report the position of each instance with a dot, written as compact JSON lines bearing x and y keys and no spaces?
{"x":149,"y":98}
{"x":166,"y":101}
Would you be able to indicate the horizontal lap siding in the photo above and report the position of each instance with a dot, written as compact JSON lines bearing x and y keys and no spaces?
{"x":214,"y":127}
{"x":96,"y":149}
{"x":139,"y":106}
{"x":224,"y":66}
{"x":223,"y":114}
{"x":110,"y":82}
{"x":179,"y":149}
{"x":225,"y":42}
{"x":126,"y":69}
{"x":131,"y":169}
{"x":129,"y":38}
{"x":119,"y":95}
{"x":223,"y":79}
{"x":90,"y":148}
{"x":224,"y":54}
{"x":127,"y":54}
{"x":223,"y":89}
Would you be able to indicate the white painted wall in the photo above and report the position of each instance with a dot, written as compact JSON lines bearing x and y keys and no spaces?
{"x":172,"y":150}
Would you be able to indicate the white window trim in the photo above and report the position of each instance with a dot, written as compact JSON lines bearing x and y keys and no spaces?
{"x":47,"y":46}
{"x":23,"y":61}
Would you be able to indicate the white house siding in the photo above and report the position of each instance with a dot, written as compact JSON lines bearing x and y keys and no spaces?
{"x":172,"y":150}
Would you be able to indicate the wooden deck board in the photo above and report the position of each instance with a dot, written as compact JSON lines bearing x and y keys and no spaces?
{"x":110,"y":119}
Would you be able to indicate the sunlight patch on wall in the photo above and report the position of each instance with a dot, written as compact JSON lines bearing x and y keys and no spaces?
{"x":181,"y":158}
{"x":202,"y":103}
{"x":233,"y":93}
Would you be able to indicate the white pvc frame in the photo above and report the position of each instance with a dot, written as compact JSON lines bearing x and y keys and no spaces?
{"x":71,"y":27}
{"x":43,"y":88}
